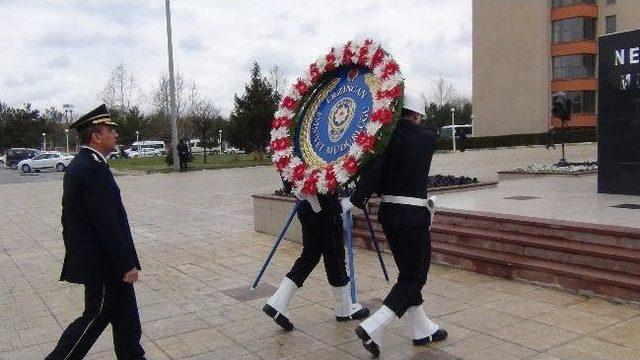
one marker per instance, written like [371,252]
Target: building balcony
[577,120]
[574,85]
[574,47]
[573,11]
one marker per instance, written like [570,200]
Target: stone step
[602,282]
[552,249]
[605,235]
[360,222]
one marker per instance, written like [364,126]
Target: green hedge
[484,142]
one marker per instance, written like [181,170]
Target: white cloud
[62,51]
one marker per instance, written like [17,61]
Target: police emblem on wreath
[338,114]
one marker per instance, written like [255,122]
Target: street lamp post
[44,141]
[220,139]
[172,89]
[137,135]
[453,127]
[66,134]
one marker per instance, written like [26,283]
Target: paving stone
[194,303]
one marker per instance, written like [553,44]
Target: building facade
[525,50]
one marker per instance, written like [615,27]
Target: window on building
[573,66]
[574,29]
[611,2]
[582,101]
[610,24]
[562,3]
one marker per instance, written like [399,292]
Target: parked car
[153,144]
[144,152]
[233,150]
[47,160]
[3,160]
[119,152]
[15,155]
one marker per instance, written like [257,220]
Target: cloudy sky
[62,51]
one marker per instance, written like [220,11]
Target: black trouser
[183,162]
[113,303]
[411,249]
[321,236]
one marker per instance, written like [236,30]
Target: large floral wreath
[387,102]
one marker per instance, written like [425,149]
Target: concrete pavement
[193,232]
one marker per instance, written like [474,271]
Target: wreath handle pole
[375,244]
[352,272]
[277,243]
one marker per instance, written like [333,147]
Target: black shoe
[368,342]
[278,317]
[439,335]
[360,314]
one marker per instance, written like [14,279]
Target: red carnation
[301,87]
[314,72]
[365,141]
[383,116]
[390,94]
[310,186]
[331,62]
[389,69]
[330,177]
[282,163]
[289,103]
[281,121]
[362,55]
[377,58]
[350,165]
[347,54]
[368,42]
[280,144]
[298,172]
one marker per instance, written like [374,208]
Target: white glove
[346,205]
[315,204]
[431,206]
[431,203]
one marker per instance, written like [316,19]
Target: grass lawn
[214,161]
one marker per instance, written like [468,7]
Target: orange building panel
[569,12]
[576,47]
[574,85]
[577,120]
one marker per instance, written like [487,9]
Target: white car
[144,152]
[3,160]
[47,160]
[233,150]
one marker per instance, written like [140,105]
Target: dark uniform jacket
[97,239]
[183,149]
[402,170]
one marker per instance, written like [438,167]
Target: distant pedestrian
[183,154]
[551,138]
[463,141]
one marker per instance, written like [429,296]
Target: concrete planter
[271,211]
[512,175]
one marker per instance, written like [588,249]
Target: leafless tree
[203,116]
[121,91]
[277,80]
[442,91]
[187,97]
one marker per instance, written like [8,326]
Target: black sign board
[619,113]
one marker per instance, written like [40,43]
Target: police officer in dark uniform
[99,250]
[322,236]
[400,175]
[183,154]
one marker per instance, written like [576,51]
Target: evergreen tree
[250,120]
